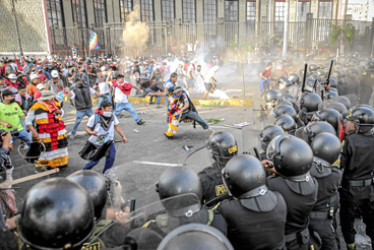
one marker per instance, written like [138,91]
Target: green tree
[343,34]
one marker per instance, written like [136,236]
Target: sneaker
[71,137]
[168,136]
[158,106]
[140,122]
[151,103]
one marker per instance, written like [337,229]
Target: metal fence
[165,37]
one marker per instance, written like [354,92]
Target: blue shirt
[169,85]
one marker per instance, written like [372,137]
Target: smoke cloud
[135,35]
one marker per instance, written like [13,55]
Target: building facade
[68,22]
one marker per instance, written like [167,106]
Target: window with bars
[146,10]
[210,11]
[167,7]
[188,7]
[280,11]
[231,11]
[126,7]
[79,12]
[55,13]
[325,10]
[303,8]
[100,12]
[251,10]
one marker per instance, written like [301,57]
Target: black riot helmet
[96,186]
[341,108]
[244,177]
[311,130]
[321,73]
[57,214]
[331,116]
[327,147]
[363,119]
[364,106]
[344,100]
[294,78]
[291,156]
[371,65]
[309,102]
[287,97]
[285,110]
[313,67]
[223,147]
[331,95]
[333,82]
[268,133]
[271,96]
[179,181]
[195,236]
[284,103]
[282,79]
[287,123]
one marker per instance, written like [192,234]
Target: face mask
[177,96]
[12,100]
[107,114]
[13,81]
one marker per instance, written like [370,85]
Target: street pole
[285,32]
[15,21]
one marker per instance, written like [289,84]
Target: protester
[10,115]
[81,95]
[101,127]
[47,115]
[265,76]
[122,91]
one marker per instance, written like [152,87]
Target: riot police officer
[309,104]
[97,187]
[326,150]
[290,159]
[367,83]
[57,214]
[357,183]
[308,132]
[180,192]
[287,123]
[256,217]
[266,135]
[223,147]
[331,116]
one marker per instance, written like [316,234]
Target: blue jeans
[195,116]
[148,90]
[107,97]
[80,115]
[23,135]
[109,161]
[128,107]
[263,86]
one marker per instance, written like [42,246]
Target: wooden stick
[29,178]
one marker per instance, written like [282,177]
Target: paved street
[148,152]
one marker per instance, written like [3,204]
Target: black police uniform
[300,198]
[366,86]
[165,223]
[251,228]
[357,185]
[212,184]
[322,217]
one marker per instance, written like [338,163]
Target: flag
[94,41]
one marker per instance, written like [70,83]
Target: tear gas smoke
[135,35]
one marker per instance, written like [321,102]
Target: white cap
[54,73]
[40,86]
[34,76]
